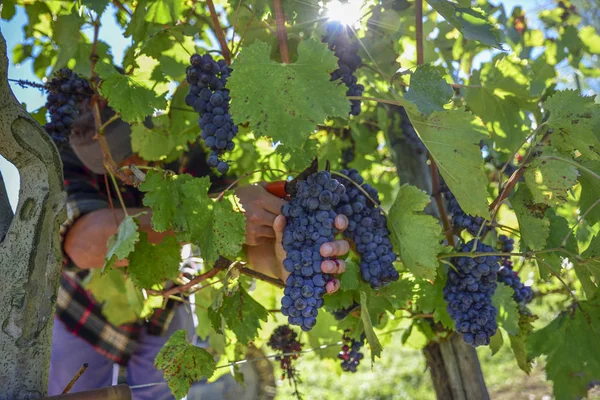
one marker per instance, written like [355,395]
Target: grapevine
[210,99]
[337,38]
[67,93]
[310,223]
[367,227]
[469,292]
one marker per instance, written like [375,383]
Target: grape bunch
[337,38]
[367,228]
[66,92]
[351,354]
[284,339]
[310,223]
[459,219]
[210,99]
[468,293]
[410,135]
[523,294]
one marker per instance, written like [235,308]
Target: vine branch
[219,31]
[282,37]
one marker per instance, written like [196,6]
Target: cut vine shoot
[210,99]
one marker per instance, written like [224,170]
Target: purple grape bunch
[468,293]
[523,294]
[367,228]
[351,354]
[310,223]
[67,91]
[337,37]
[210,99]
[459,219]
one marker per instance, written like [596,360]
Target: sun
[347,12]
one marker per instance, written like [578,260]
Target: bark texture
[454,366]
[30,257]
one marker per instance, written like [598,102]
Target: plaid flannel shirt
[76,307]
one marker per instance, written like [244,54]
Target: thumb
[278,226]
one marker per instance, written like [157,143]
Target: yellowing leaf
[121,301]
[183,363]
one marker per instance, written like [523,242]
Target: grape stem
[120,6]
[219,31]
[419,30]
[241,178]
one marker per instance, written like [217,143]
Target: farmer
[81,333]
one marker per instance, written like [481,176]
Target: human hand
[260,208]
[333,250]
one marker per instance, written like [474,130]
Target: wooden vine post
[30,255]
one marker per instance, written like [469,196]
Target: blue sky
[112,34]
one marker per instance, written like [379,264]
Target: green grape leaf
[160,141]
[590,192]
[471,22]
[181,203]
[8,10]
[98,6]
[559,228]
[452,137]
[418,248]
[165,196]
[570,344]
[286,101]
[398,294]
[164,12]
[431,300]
[518,342]
[549,180]
[349,279]
[496,342]
[500,111]
[121,243]
[365,316]
[533,224]
[127,94]
[575,119]
[137,26]
[182,363]
[66,30]
[243,315]
[151,264]
[121,301]
[428,90]
[228,233]
[508,313]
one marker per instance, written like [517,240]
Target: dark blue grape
[468,293]
[209,97]
[308,226]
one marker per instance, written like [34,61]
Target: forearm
[262,258]
[85,242]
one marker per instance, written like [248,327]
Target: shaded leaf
[508,313]
[151,264]
[243,315]
[418,247]
[533,224]
[376,347]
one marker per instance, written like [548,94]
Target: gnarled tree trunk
[453,364]
[30,258]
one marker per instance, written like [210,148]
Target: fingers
[336,248]
[333,266]
[332,286]
[341,222]
[278,226]
[272,203]
[261,217]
